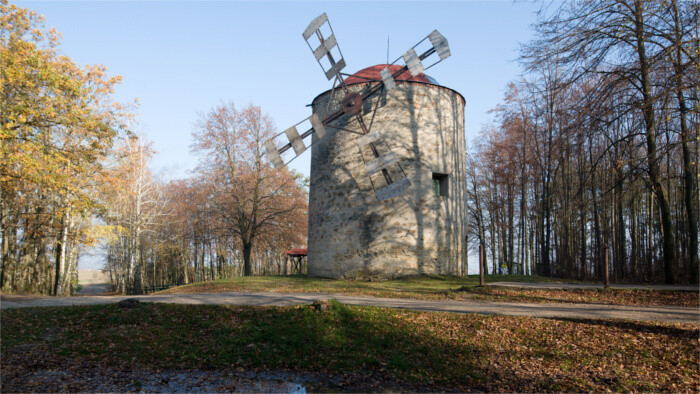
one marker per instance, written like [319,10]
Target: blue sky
[181,58]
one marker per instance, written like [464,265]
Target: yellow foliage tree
[57,124]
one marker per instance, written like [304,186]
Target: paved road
[551,310]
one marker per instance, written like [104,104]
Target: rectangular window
[440,184]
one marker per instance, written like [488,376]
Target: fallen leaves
[355,348]
[594,296]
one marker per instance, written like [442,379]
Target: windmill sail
[382,161]
[295,141]
[325,47]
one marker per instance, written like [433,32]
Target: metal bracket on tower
[295,140]
[413,63]
[392,190]
[368,139]
[318,126]
[440,44]
[387,78]
[273,155]
[314,25]
[379,163]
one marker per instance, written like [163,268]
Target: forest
[74,175]
[594,150]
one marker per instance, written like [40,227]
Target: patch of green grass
[460,352]
[162,336]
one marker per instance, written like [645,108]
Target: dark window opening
[440,184]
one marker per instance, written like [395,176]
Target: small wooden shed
[297,257]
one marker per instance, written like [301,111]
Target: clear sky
[181,58]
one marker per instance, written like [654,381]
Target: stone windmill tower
[388,171]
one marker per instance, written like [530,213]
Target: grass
[441,287]
[403,349]
[422,285]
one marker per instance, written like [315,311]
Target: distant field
[348,348]
[92,276]
[439,287]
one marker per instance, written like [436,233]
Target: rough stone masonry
[422,231]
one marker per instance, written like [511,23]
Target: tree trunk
[61,246]
[689,165]
[544,268]
[669,247]
[247,248]
[5,254]
[620,251]
[185,267]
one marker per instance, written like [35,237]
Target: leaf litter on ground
[345,348]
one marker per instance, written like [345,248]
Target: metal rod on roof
[387,49]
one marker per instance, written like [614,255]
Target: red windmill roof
[372,73]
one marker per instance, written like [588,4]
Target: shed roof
[296,252]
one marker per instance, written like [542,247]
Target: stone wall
[351,234]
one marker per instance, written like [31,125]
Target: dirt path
[549,310]
[94,288]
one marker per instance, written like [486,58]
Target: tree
[135,205]
[57,124]
[616,40]
[252,199]
[681,30]
[597,157]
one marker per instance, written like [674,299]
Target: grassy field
[439,287]
[355,348]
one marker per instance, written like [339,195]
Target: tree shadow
[665,329]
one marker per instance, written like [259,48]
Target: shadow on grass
[656,328]
[358,343]
[368,348]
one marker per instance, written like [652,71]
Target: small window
[440,184]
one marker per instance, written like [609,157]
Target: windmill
[382,161]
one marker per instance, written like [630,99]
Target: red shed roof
[296,252]
[372,73]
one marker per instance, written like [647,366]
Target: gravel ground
[52,374]
[170,381]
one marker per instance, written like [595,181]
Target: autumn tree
[252,199]
[135,206]
[57,124]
